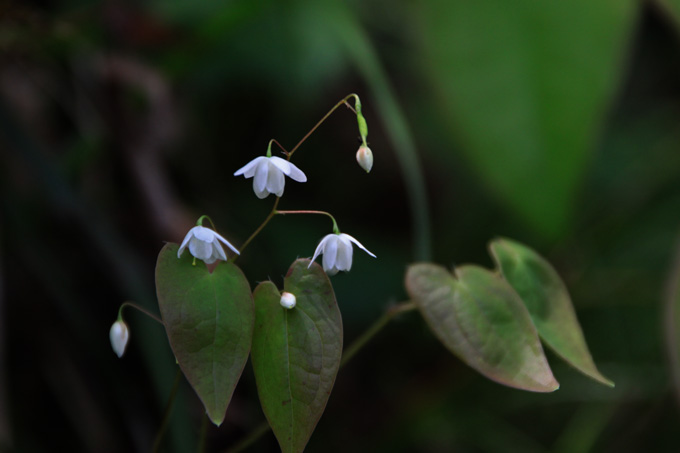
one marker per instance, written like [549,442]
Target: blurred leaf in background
[525,87]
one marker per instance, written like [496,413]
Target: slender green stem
[348,354]
[202,434]
[259,431]
[143,310]
[273,140]
[271,214]
[199,222]
[336,230]
[371,332]
[168,411]
[325,117]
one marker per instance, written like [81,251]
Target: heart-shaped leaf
[209,321]
[479,317]
[296,352]
[548,302]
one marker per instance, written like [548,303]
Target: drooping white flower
[204,245]
[365,158]
[288,300]
[119,336]
[268,173]
[337,252]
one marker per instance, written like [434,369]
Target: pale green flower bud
[119,336]
[288,300]
[365,158]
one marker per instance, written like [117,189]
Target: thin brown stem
[325,117]
[335,224]
[271,214]
[273,140]
[168,410]
[143,310]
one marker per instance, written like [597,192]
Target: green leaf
[480,318]
[548,302]
[296,353]
[524,87]
[209,321]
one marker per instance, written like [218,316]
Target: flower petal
[218,251]
[330,253]
[200,249]
[345,252]
[289,169]
[260,181]
[275,180]
[203,234]
[248,170]
[319,248]
[358,244]
[227,243]
[189,235]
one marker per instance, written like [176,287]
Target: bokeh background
[555,123]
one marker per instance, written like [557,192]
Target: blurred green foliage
[555,123]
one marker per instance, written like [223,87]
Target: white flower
[365,158]
[119,336]
[268,173]
[337,252]
[204,245]
[288,300]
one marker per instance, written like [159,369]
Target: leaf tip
[217,421]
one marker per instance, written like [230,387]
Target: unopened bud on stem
[365,158]
[119,336]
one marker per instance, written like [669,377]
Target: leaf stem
[377,326]
[167,412]
[143,310]
[348,354]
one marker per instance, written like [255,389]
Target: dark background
[555,124]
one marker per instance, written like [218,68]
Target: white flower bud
[365,158]
[288,300]
[119,336]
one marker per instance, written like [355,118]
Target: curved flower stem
[143,310]
[336,230]
[348,354]
[167,412]
[273,140]
[325,117]
[199,222]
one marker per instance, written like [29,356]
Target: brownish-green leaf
[296,353]
[548,302]
[209,321]
[480,318]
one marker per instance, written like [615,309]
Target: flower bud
[119,336]
[288,300]
[365,158]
